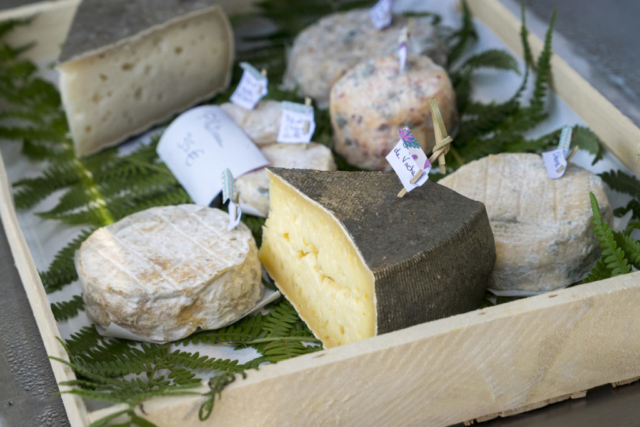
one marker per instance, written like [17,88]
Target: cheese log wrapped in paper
[373,101]
[322,53]
[542,227]
[260,124]
[129,64]
[357,261]
[254,186]
[166,271]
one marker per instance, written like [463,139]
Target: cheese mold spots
[357,261]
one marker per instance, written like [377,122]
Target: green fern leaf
[613,256]
[67,309]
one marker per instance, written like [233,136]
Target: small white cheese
[164,272]
[542,227]
[260,124]
[254,186]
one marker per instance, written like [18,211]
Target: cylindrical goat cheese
[254,186]
[260,124]
[322,53]
[164,272]
[374,100]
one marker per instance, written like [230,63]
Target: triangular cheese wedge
[129,64]
[357,261]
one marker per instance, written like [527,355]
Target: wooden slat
[617,131]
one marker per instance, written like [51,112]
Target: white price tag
[230,193]
[251,89]
[555,162]
[235,215]
[381,15]
[297,123]
[203,142]
[407,158]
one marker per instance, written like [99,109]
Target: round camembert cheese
[326,50]
[164,272]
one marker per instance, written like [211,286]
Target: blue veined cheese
[542,227]
[254,186]
[164,272]
[372,101]
[325,51]
[260,124]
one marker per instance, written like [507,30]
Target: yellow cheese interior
[315,263]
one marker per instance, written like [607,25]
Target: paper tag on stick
[203,142]
[407,159]
[381,15]
[555,162]
[251,89]
[297,123]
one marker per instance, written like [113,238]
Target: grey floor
[598,38]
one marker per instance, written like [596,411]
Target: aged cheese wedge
[326,50]
[542,227]
[254,186]
[357,261]
[260,124]
[164,272]
[129,64]
[372,101]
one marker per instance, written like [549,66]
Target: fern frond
[460,38]
[584,138]
[524,38]
[492,58]
[67,309]
[62,270]
[613,256]
[622,182]
[247,329]
[598,272]
[630,247]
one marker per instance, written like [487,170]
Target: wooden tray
[492,362]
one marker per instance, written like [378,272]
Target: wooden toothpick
[264,72]
[415,179]
[573,153]
[307,102]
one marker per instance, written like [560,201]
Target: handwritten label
[251,89]
[297,123]
[381,15]
[555,162]
[200,144]
[403,48]
[407,158]
[565,139]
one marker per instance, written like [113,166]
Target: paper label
[235,215]
[407,158]
[403,48]
[251,89]
[555,162]
[381,15]
[297,123]
[565,139]
[200,144]
[229,191]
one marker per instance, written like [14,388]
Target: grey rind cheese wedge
[357,261]
[372,101]
[164,272]
[322,53]
[129,64]
[254,186]
[542,227]
[260,124]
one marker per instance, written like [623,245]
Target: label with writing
[555,162]
[203,142]
[381,15]
[407,158]
[565,139]
[403,48]
[297,123]
[251,89]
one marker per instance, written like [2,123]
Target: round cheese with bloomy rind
[373,101]
[260,124]
[164,272]
[322,53]
[254,186]
[542,227]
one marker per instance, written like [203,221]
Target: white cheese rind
[260,124]
[254,186]
[542,227]
[372,101]
[325,51]
[164,272]
[143,80]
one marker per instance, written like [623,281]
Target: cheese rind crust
[323,52]
[542,227]
[373,101]
[121,90]
[356,261]
[254,186]
[164,272]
